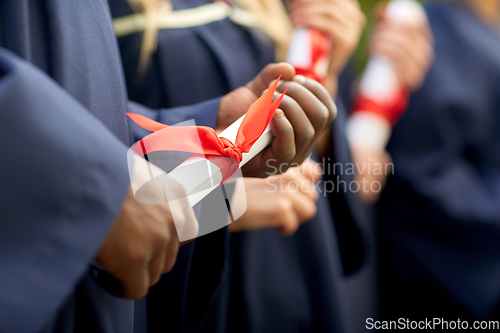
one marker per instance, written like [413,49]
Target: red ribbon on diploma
[221,151]
[390,110]
[320,49]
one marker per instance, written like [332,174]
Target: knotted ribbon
[221,151]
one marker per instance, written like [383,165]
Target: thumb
[270,73]
[311,170]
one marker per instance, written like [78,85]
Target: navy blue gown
[270,283]
[440,212]
[64,137]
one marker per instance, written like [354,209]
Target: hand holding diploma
[304,113]
[282,201]
[143,243]
[405,39]
[402,51]
[342,21]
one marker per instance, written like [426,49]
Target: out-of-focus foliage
[368,7]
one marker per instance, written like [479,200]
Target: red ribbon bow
[221,151]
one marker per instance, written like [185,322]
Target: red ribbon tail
[146,123]
[226,155]
[257,118]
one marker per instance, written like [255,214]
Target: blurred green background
[368,7]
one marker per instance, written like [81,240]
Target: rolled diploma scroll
[381,79]
[198,176]
[300,53]
[380,82]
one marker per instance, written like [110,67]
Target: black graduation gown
[66,154]
[275,283]
[440,212]
[65,138]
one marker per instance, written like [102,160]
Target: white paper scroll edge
[196,179]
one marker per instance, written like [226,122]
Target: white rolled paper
[199,176]
[380,82]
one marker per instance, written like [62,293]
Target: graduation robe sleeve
[63,178]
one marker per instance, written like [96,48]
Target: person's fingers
[410,38]
[308,189]
[393,53]
[337,31]
[339,5]
[289,221]
[396,33]
[156,267]
[425,50]
[311,8]
[421,53]
[294,181]
[283,144]
[171,252]
[308,174]
[416,74]
[322,94]
[330,25]
[425,29]
[268,206]
[325,13]
[135,283]
[311,170]
[422,49]
[356,3]
[258,220]
[408,48]
[270,73]
[418,47]
[157,263]
[393,46]
[302,128]
[298,3]
[282,149]
[315,111]
[304,207]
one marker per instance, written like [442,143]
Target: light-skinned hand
[283,201]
